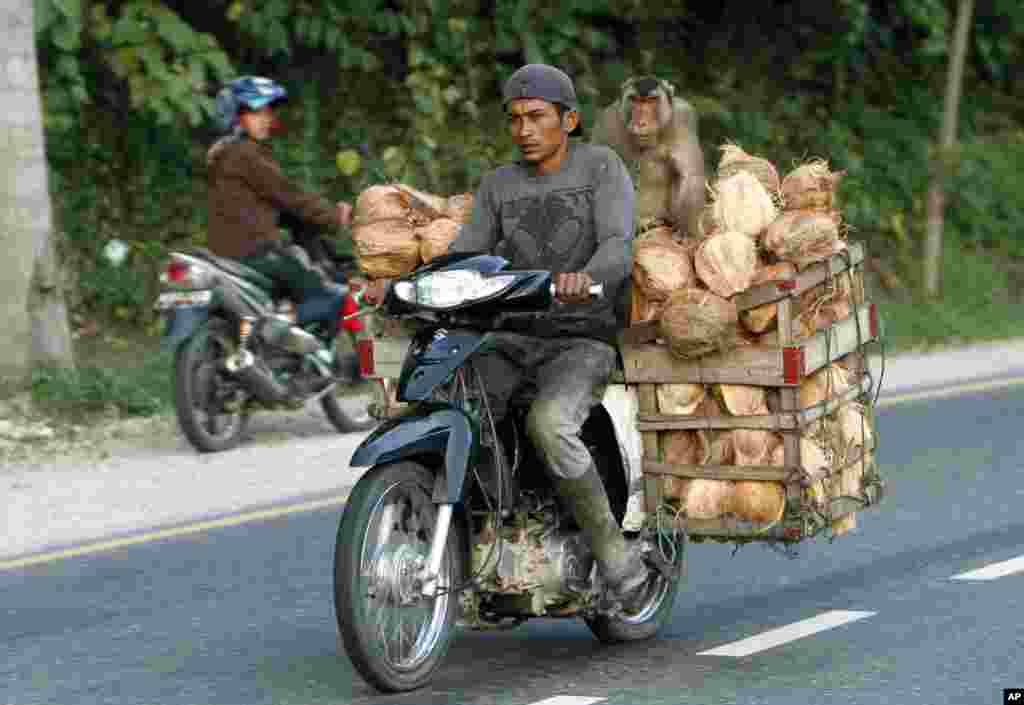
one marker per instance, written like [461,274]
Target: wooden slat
[639,333]
[764,473]
[732,528]
[647,400]
[752,364]
[837,341]
[765,422]
[808,279]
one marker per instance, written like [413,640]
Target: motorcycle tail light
[348,307]
[182,273]
[367,366]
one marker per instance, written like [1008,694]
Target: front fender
[433,429]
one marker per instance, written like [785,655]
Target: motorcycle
[456,522]
[241,347]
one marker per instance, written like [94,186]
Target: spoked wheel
[395,637]
[203,391]
[654,610]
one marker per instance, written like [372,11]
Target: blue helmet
[252,92]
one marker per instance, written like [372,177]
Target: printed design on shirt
[548,226]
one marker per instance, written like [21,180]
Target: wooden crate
[784,367]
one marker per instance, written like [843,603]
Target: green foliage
[413,89]
[142,390]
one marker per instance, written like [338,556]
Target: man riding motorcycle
[567,206]
[250,198]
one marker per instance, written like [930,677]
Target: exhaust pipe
[256,377]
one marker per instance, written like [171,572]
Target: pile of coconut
[396,227]
[755,229]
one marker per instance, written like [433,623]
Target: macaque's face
[644,118]
[538,131]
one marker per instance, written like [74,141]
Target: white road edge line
[568,700]
[994,570]
[791,632]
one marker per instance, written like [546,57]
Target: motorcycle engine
[538,562]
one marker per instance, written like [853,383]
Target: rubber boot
[623,569]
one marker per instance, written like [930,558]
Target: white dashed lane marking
[994,570]
[791,632]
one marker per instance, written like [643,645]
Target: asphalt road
[243,615]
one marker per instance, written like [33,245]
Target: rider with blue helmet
[250,198]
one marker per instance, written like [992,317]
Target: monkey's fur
[665,159]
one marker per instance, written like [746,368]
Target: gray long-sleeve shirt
[578,219]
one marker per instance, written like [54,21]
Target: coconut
[752,447]
[674,488]
[685,447]
[827,383]
[742,399]
[459,208]
[642,308]
[385,241]
[709,499]
[810,185]
[680,398]
[381,203]
[723,450]
[804,236]
[760,319]
[726,263]
[425,204]
[759,502]
[814,460]
[696,322]
[742,204]
[734,160]
[436,236]
[854,427]
[663,234]
[772,272]
[661,267]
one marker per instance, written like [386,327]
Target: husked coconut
[814,460]
[742,399]
[771,272]
[727,262]
[810,185]
[435,237]
[383,233]
[734,160]
[685,447]
[854,426]
[428,205]
[680,398]
[723,450]
[742,204]
[642,308]
[459,208]
[759,502]
[827,383]
[660,267]
[696,322]
[751,446]
[709,499]
[804,237]
[760,318]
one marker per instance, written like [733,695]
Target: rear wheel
[395,637]
[203,391]
[654,610]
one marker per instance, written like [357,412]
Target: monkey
[655,134]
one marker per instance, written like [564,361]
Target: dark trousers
[564,378]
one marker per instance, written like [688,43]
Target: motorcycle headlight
[452,289]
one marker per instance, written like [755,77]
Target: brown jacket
[246,191]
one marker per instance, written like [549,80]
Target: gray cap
[540,81]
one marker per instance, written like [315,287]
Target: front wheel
[203,392]
[654,611]
[395,637]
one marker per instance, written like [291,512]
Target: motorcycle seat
[232,267]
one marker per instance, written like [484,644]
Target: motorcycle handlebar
[596,290]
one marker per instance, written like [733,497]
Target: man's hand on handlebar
[573,287]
